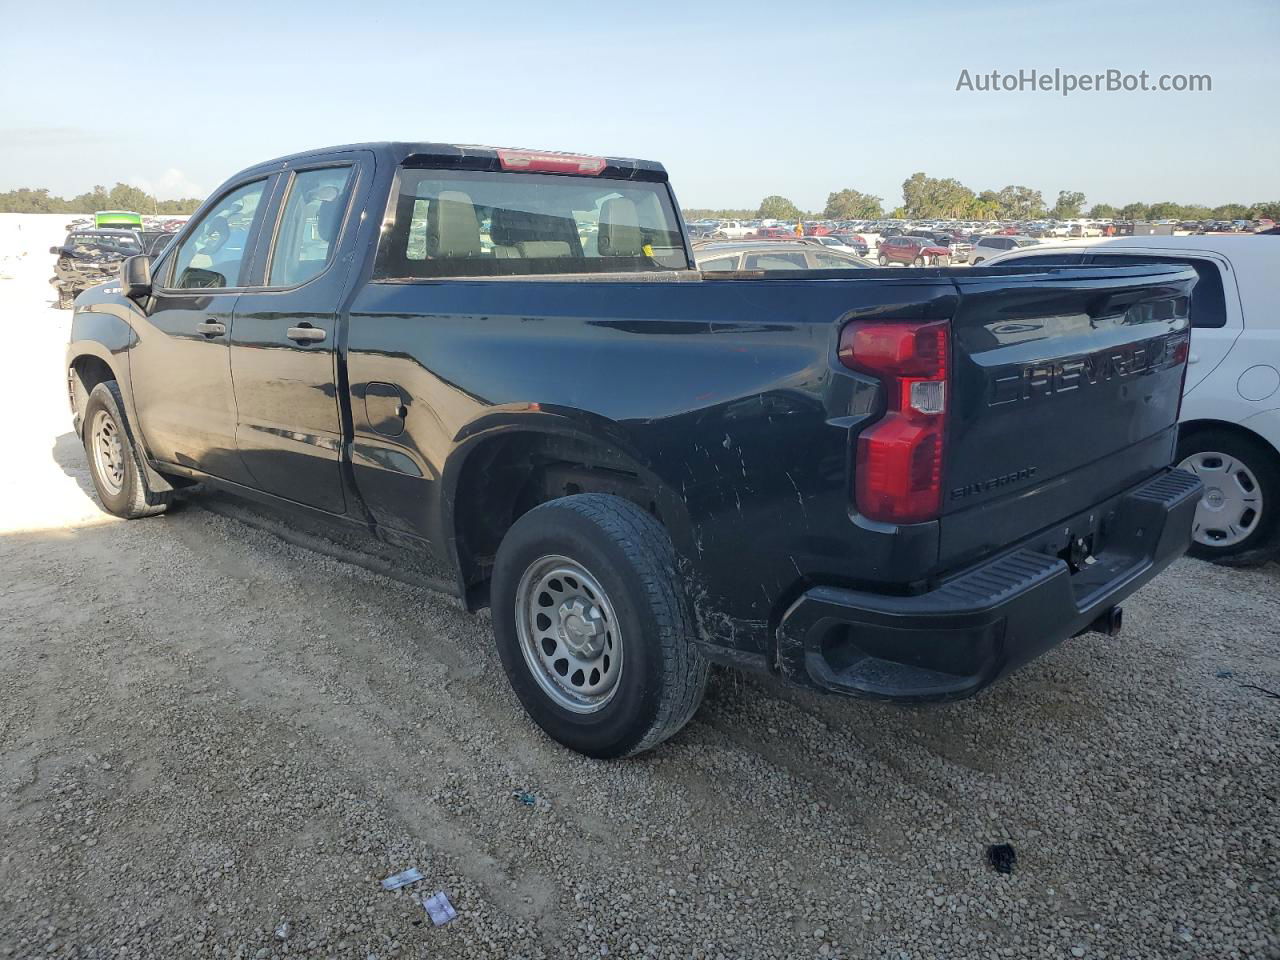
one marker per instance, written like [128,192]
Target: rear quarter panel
[725,391]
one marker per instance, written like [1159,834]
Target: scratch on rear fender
[714,626]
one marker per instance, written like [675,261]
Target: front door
[181,372]
[285,343]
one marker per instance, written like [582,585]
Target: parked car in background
[731,230]
[958,250]
[916,251]
[775,232]
[988,247]
[850,243]
[89,257]
[701,229]
[1229,434]
[154,241]
[797,254]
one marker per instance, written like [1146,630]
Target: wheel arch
[1210,425]
[505,464]
[90,363]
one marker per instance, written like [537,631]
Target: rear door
[289,429]
[179,366]
[1065,390]
[1216,319]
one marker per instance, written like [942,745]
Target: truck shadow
[68,454]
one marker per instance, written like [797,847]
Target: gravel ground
[215,743]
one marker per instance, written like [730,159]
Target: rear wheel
[882,260]
[114,462]
[1238,518]
[593,625]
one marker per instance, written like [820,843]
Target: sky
[739,100]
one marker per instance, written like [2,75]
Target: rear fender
[567,424]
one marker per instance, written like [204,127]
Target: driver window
[213,253]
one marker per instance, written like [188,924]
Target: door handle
[305,333]
[211,328]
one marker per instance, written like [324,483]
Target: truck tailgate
[1065,390]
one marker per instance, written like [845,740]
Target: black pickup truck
[887,484]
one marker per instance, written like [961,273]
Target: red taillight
[898,463]
[528,161]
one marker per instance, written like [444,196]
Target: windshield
[473,224]
[84,242]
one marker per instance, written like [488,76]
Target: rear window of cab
[449,223]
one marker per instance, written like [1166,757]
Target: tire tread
[646,544]
[142,501]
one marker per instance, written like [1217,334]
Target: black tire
[1263,541]
[627,551]
[918,262]
[127,496]
[882,260]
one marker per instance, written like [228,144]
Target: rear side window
[722,263]
[1208,301]
[829,261]
[775,261]
[479,224]
[1049,260]
[309,227]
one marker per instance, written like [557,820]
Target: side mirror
[135,277]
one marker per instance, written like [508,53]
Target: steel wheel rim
[108,452]
[569,634]
[1231,506]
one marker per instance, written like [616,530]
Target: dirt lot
[207,732]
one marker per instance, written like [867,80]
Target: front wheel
[1238,518]
[114,463]
[593,625]
[882,260]
[918,262]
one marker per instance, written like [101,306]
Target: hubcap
[108,452]
[1232,503]
[568,634]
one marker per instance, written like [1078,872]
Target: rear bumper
[952,641]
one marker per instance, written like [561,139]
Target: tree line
[935,198]
[120,197]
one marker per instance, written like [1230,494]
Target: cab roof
[461,156]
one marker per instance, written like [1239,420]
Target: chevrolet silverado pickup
[888,484]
